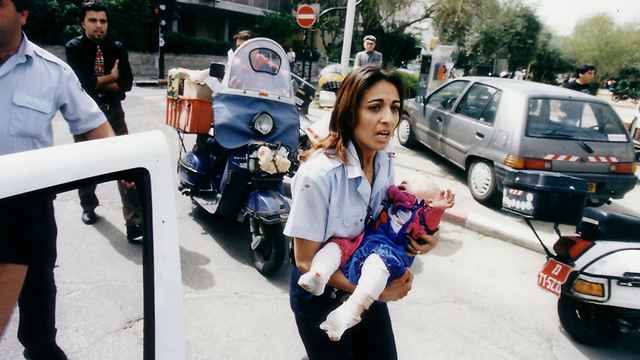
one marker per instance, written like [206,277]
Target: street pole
[161,24]
[348,36]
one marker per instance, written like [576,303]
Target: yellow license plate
[591,187]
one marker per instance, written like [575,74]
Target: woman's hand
[413,248]
[398,289]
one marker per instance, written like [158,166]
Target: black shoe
[89,217]
[50,353]
[134,232]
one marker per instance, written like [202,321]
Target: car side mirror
[216,70]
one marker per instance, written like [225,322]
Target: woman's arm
[305,250]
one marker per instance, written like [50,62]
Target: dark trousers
[131,208]
[32,223]
[372,338]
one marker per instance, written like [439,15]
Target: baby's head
[421,186]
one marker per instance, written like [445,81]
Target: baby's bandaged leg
[371,284]
[325,263]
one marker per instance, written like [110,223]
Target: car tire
[482,183]
[406,136]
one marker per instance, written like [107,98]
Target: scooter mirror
[216,70]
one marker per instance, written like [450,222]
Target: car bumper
[607,186]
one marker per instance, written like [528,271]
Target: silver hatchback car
[492,126]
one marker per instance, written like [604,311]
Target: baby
[377,256]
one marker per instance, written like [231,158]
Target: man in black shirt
[584,74]
[570,111]
[102,65]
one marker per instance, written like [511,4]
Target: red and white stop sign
[306,16]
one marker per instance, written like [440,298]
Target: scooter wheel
[589,324]
[269,255]
[615,97]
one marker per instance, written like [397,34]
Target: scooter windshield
[259,69]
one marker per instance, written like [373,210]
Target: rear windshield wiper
[554,133]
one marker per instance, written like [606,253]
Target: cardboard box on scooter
[194,90]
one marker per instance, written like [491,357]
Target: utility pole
[348,36]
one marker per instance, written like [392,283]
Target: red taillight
[575,244]
[517,162]
[623,168]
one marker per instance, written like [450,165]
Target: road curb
[492,228]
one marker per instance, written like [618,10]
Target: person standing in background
[291,56]
[369,55]
[102,65]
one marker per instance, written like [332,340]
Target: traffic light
[159,13]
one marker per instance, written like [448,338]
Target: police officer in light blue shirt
[334,182]
[34,85]
[336,192]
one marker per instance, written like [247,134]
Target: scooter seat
[599,224]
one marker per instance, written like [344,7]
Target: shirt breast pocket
[30,116]
[349,222]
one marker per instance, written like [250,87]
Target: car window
[480,103]
[445,97]
[573,119]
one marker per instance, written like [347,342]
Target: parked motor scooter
[596,272]
[237,169]
[628,94]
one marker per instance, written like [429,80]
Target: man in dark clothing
[570,111]
[584,74]
[102,65]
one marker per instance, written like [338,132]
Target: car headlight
[262,124]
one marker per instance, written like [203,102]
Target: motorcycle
[629,94]
[237,168]
[596,272]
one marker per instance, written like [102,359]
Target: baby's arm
[444,200]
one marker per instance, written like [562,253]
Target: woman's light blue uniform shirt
[330,199]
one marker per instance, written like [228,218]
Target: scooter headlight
[262,124]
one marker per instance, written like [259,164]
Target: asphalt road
[474,297]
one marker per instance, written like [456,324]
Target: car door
[437,110]
[471,123]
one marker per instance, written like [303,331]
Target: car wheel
[482,183]
[406,136]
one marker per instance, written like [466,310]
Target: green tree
[548,61]
[488,29]
[278,26]
[54,22]
[130,22]
[599,41]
